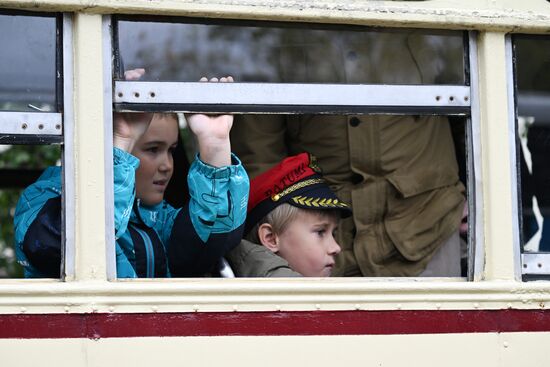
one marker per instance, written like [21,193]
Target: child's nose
[167,163]
[334,247]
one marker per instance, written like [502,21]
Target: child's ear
[268,238]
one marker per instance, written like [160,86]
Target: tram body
[492,317]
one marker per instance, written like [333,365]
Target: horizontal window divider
[291,98]
[283,109]
[16,139]
[30,123]
[535,263]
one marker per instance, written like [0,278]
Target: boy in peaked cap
[292,216]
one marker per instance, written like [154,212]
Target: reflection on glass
[292,54]
[27,63]
[532,54]
[20,165]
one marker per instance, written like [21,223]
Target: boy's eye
[152,149]
[321,232]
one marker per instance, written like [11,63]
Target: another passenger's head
[156,163]
[294,213]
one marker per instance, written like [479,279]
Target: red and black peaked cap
[297,181]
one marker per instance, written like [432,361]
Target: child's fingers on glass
[224,79]
[134,74]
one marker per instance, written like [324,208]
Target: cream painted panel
[495,151]
[488,350]
[200,295]
[44,352]
[525,349]
[90,261]
[479,14]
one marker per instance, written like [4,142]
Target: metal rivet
[509,305]
[195,308]
[438,305]
[466,98]
[120,94]
[152,94]
[505,344]
[525,266]
[154,308]
[278,307]
[451,98]
[111,309]
[24,125]
[539,265]
[40,126]
[67,309]
[23,310]
[357,306]
[318,306]
[57,126]
[476,305]
[437,98]
[399,306]
[235,308]
[136,94]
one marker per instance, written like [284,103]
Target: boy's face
[308,244]
[154,151]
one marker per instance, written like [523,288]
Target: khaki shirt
[399,173]
[251,260]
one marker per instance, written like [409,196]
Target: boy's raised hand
[212,133]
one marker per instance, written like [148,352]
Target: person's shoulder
[48,181]
[253,260]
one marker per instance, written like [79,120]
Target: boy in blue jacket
[153,239]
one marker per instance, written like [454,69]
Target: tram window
[337,92]
[291,54]
[532,66]
[30,120]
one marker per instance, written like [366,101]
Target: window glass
[27,63]
[393,170]
[404,173]
[532,57]
[30,71]
[20,166]
[404,177]
[282,53]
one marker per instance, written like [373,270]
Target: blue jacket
[158,241]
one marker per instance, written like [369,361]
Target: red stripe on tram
[113,325]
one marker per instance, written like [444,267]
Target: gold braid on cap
[299,185]
[318,202]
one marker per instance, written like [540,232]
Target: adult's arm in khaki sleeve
[259,141]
